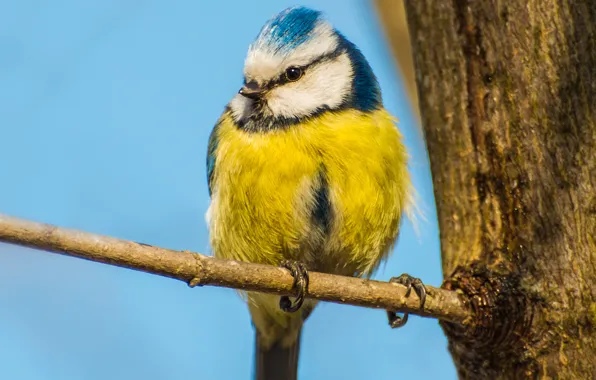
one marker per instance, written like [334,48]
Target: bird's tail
[277,362]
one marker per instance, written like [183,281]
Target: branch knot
[199,271]
[501,312]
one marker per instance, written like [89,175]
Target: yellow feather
[263,193]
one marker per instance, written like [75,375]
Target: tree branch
[196,269]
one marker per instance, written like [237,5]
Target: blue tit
[306,169]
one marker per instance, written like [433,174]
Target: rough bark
[508,104]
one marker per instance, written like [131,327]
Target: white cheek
[240,107]
[327,84]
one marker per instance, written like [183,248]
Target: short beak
[252,90]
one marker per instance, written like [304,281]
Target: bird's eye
[294,73]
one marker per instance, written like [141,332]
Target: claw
[300,274]
[395,321]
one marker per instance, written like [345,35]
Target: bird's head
[298,67]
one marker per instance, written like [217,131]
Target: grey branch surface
[196,269]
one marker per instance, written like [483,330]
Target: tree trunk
[508,104]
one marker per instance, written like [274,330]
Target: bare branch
[196,269]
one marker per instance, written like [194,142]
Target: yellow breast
[263,196]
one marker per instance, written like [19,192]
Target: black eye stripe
[327,57]
[282,79]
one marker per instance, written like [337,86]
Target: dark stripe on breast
[322,211]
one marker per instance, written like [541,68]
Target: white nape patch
[324,84]
[264,63]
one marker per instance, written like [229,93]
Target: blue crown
[294,26]
[289,29]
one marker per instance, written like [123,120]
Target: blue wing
[211,148]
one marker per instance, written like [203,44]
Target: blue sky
[105,111]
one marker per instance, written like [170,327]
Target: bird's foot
[395,321]
[300,274]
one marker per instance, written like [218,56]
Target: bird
[306,170]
